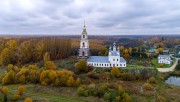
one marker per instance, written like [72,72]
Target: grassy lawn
[157,65]
[45,94]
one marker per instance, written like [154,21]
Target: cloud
[102,16]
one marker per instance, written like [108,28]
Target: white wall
[106,64]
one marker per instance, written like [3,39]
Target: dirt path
[170,68]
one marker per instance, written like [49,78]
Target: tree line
[29,50]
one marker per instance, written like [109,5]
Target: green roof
[151,50]
[166,51]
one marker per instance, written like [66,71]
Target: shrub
[127,76]
[161,65]
[107,96]
[93,75]
[16,97]
[81,91]
[102,89]
[9,78]
[89,68]
[81,66]
[144,74]
[118,99]
[77,82]
[70,81]
[20,90]
[152,80]
[91,89]
[115,72]
[10,67]
[120,89]
[50,65]
[126,97]
[28,100]
[5,90]
[148,86]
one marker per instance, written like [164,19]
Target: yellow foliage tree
[122,48]
[78,82]
[115,72]
[5,90]
[28,100]
[70,81]
[50,65]
[20,90]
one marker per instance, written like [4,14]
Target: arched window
[83,44]
[113,59]
[117,59]
[83,53]
[83,36]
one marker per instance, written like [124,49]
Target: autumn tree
[115,72]
[46,57]
[9,78]
[20,90]
[28,100]
[122,48]
[78,82]
[81,66]
[50,65]
[5,92]
[70,81]
[130,50]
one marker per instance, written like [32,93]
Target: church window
[113,59]
[83,44]
[117,59]
[113,65]
[83,53]
[117,64]
[124,64]
[83,36]
[110,65]
[102,64]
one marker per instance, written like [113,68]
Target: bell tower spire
[84,44]
[84,25]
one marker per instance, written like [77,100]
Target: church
[113,59]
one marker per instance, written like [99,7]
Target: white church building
[113,59]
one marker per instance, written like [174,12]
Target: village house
[164,59]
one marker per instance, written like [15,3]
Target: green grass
[45,94]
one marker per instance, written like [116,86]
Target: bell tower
[84,45]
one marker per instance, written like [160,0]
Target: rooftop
[164,56]
[102,59]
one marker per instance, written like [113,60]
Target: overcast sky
[101,16]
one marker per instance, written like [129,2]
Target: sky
[117,17]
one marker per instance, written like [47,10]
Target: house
[164,59]
[113,59]
[151,52]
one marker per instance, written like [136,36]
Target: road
[170,68]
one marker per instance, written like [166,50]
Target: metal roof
[165,50]
[102,59]
[165,56]
[122,60]
[114,53]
